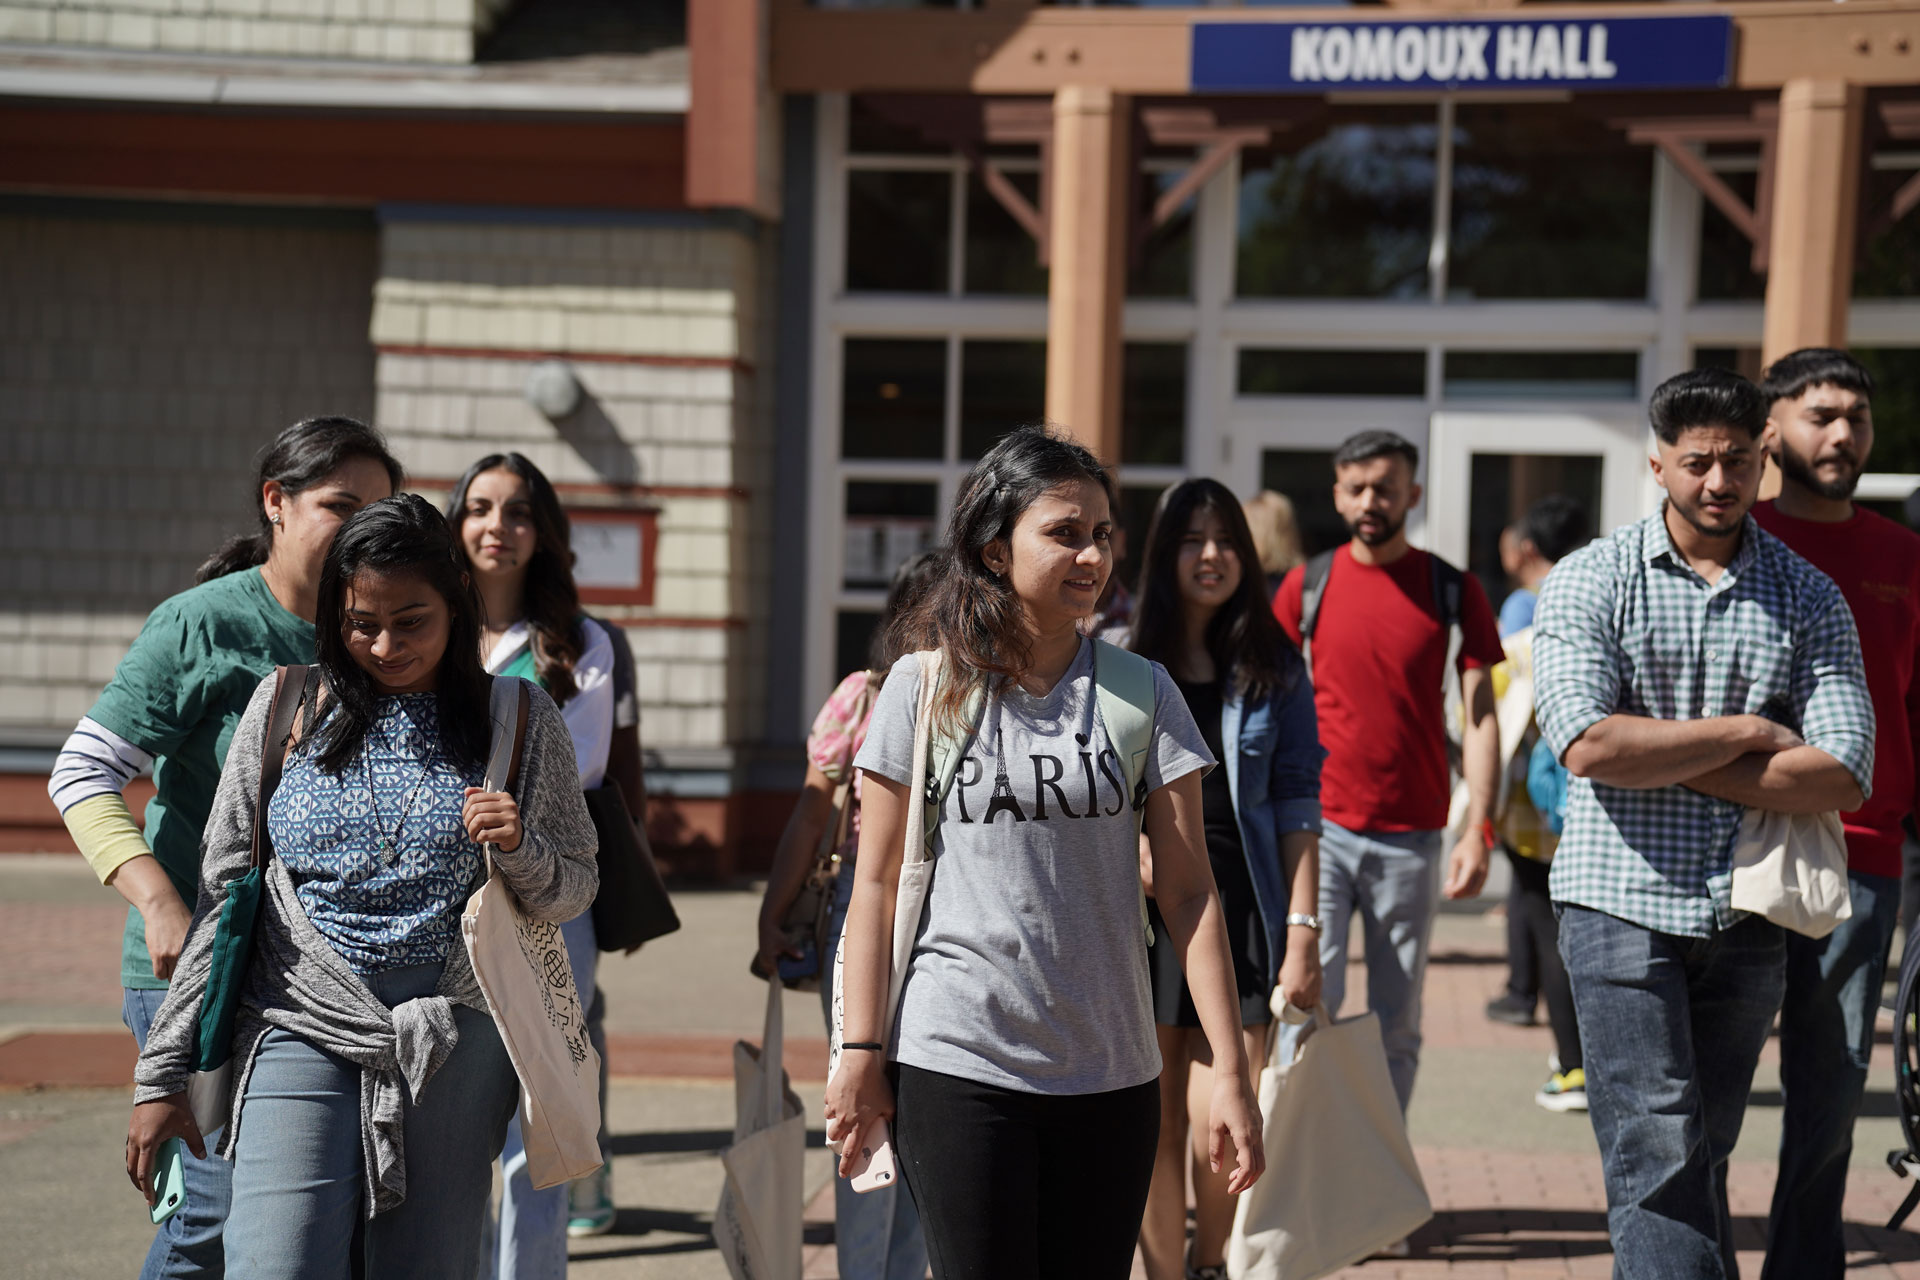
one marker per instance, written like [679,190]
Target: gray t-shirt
[1029,970]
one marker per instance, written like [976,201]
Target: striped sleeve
[96,761]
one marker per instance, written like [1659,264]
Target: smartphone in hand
[874,1167]
[169,1181]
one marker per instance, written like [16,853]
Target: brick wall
[144,358]
[660,326]
[388,30]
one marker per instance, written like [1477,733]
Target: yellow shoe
[1566,1091]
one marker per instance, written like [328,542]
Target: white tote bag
[757,1224]
[1792,869]
[1331,1113]
[916,872]
[523,970]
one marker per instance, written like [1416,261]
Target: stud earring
[274,520]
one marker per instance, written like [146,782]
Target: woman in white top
[1020,1068]
[517,544]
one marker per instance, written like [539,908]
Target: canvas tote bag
[757,1224]
[1335,1104]
[1792,869]
[524,972]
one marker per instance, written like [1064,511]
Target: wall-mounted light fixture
[553,388]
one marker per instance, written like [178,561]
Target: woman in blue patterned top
[370,1080]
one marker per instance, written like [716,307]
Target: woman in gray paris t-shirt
[1019,1069]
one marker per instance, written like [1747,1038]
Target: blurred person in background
[513,538]
[1559,523]
[1820,432]
[1377,649]
[876,1234]
[1276,536]
[173,704]
[1205,615]
[1532,804]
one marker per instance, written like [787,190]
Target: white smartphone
[874,1167]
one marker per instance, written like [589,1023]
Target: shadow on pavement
[1515,1235]
[703,1142]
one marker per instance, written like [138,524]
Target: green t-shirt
[177,695]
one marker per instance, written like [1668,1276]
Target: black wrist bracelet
[864,1044]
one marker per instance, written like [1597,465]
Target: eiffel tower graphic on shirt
[1002,785]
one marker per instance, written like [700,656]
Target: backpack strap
[1448,583]
[946,748]
[1124,696]
[291,687]
[1313,589]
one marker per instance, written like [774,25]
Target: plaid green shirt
[1626,626]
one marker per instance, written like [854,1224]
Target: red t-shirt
[1379,657]
[1876,565]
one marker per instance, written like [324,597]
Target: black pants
[1523,958]
[1020,1186]
[1533,908]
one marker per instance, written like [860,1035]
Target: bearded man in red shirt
[1820,431]
[1377,620]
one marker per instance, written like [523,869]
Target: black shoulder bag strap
[1313,589]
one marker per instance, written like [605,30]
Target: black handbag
[632,906]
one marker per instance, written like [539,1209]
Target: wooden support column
[1092,172]
[1816,199]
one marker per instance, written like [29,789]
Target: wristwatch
[1301,917]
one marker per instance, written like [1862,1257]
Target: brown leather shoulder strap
[290,689]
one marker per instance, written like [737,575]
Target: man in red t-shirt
[1378,651]
[1819,431]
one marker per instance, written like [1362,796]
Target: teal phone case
[169,1183]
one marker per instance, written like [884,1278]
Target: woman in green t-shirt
[173,704]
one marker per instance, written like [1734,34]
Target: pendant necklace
[385,842]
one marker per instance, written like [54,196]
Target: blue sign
[1457,53]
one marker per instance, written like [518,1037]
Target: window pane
[1547,203]
[898,231]
[1744,361]
[1153,405]
[872,127]
[1896,407]
[1542,375]
[1305,476]
[1300,372]
[1726,255]
[893,398]
[1346,214]
[887,523]
[1164,266]
[1003,385]
[1001,256]
[852,635]
[1889,264]
[1137,502]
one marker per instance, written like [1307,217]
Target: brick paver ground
[1516,1192]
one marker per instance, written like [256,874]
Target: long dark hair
[911,582]
[299,458]
[402,534]
[1248,648]
[971,614]
[551,599]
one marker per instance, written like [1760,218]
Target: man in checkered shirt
[1686,668]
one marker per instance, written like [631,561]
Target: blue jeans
[1391,880]
[876,1234]
[298,1175]
[530,1241]
[1826,1042]
[1672,1028]
[188,1243]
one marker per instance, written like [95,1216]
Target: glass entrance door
[1488,468]
[1286,444]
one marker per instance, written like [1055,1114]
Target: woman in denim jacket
[1203,614]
